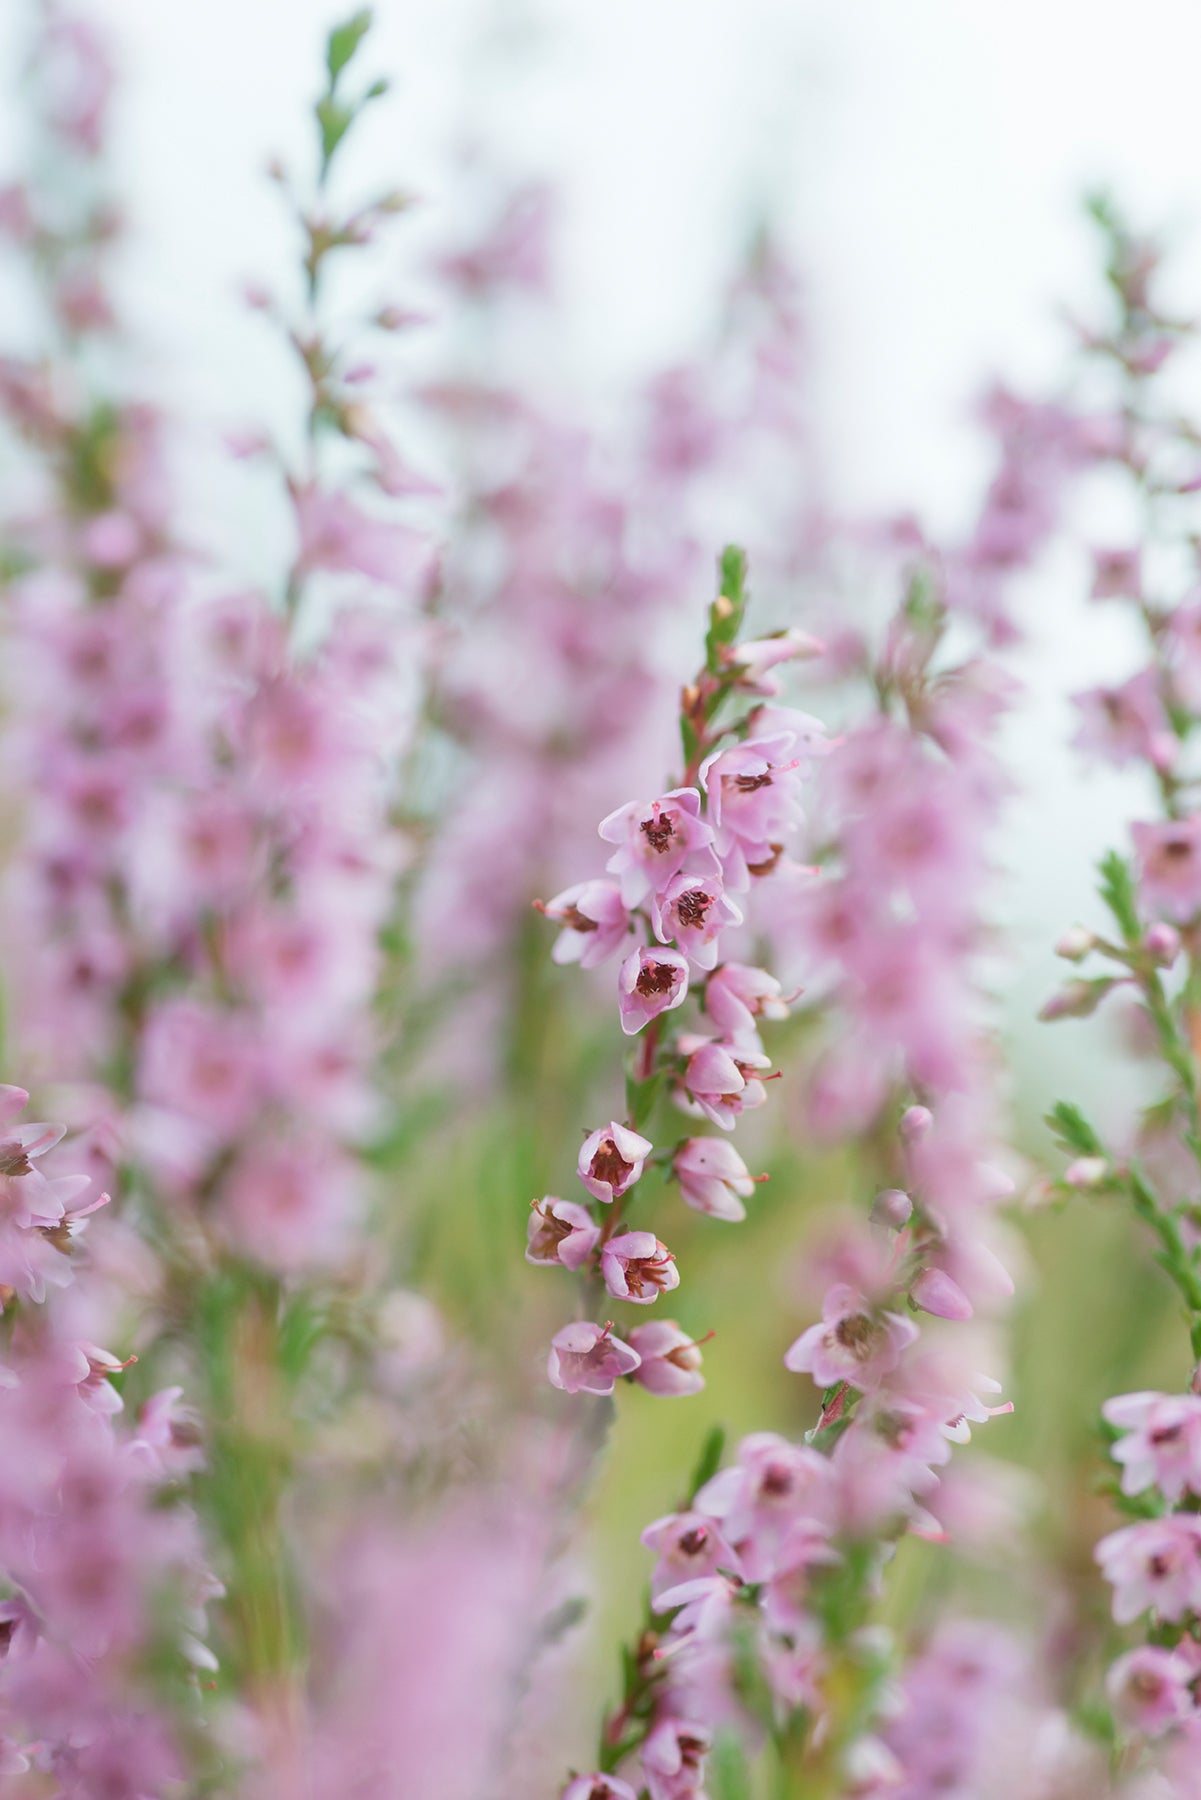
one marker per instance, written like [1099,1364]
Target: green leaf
[343,41]
[1073,1130]
[708,1462]
[1120,895]
[334,121]
[728,610]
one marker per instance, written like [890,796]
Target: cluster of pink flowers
[101,1560]
[681,870]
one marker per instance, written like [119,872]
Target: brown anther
[693,1542]
[609,1165]
[550,1233]
[578,921]
[658,832]
[655,978]
[750,784]
[769,862]
[14,1160]
[692,906]
[859,1334]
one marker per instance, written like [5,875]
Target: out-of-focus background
[925,166]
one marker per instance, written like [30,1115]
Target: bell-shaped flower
[855,1342]
[587,1359]
[671,1359]
[713,1177]
[655,841]
[595,923]
[637,1267]
[692,912]
[651,982]
[560,1232]
[611,1160]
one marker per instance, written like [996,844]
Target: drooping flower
[587,1358]
[713,1177]
[671,1359]
[561,1232]
[638,1267]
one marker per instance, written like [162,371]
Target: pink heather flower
[598,1787]
[560,1232]
[656,842]
[1149,1689]
[688,1545]
[1162,944]
[1154,1564]
[1127,724]
[1163,1445]
[1169,857]
[587,1358]
[752,789]
[693,911]
[758,1501]
[1117,575]
[855,1342]
[756,660]
[651,982]
[671,1359]
[611,1160]
[713,1177]
[637,1267]
[721,1081]
[738,994]
[673,1760]
[595,922]
[336,534]
[933,1291]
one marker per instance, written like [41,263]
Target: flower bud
[1076,999]
[1162,944]
[892,1207]
[915,1123]
[1075,944]
[1086,1172]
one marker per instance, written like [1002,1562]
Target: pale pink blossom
[722,1080]
[1154,1564]
[855,1342]
[1169,855]
[587,1358]
[560,1232]
[638,1267]
[688,1545]
[713,1177]
[673,1759]
[611,1160]
[595,920]
[1162,1446]
[598,1787]
[738,994]
[692,911]
[1150,1689]
[656,841]
[671,1359]
[651,982]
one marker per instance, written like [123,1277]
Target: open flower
[655,841]
[1155,1564]
[651,982]
[1163,1445]
[611,1160]
[560,1231]
[855,1342]
[588,1359]
[671,1359]
[637,1267]
[693,911]
[713,1177]
[595,923]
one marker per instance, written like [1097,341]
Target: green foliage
[729,609]
[344,41]
[1073,1131]
[708,1462]
[1119,894]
